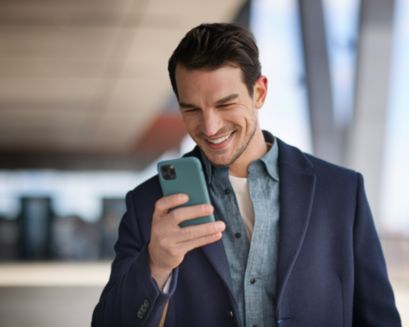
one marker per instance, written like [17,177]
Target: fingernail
[220,226]
[208,208]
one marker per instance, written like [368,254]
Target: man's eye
[226,105]
[190,110]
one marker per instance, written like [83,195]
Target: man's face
[218,112]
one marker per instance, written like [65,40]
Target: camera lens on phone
[168,172]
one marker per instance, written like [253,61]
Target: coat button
[230,314]
[227,191]
[280,321]
[252,281]
[143,309]
[237,235]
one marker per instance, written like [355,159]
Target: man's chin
[219,160]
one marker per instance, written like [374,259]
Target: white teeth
[219,140]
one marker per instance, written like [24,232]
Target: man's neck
[255,150]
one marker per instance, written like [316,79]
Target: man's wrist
[160,275]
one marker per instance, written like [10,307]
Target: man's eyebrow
[218,102]
[226,99]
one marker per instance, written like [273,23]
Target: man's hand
[169,242]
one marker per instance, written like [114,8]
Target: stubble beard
[239,151]
[243,147]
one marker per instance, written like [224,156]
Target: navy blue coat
[331,271]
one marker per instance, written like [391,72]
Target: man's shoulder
[321,165]
[148,191]
[152,183]
[294,156]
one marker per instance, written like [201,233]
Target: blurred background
[86,111]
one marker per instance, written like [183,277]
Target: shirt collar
[269,160]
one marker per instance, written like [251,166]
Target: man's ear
[260,91]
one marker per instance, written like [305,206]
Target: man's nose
[212,122]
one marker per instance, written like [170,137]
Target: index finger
[164,204]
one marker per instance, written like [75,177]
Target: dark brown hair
[211,46]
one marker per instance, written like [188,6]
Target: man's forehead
[206,69]
[223,77]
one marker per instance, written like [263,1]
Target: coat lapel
[217,258]
[215,252]
[297,187]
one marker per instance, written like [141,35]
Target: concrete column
[326,139]
[365,148]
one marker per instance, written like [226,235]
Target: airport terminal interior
[87,111]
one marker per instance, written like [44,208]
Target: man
[293,243]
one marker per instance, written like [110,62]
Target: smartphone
[185,175]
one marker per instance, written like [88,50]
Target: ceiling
[85,79]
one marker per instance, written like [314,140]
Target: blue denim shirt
[252,262]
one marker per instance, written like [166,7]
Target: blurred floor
[50,294]
[402,300]
[401,288]
[69,302]
[47,306]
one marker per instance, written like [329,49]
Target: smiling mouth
[220,140]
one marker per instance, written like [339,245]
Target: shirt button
[237,235]
[230,314]
[252,281]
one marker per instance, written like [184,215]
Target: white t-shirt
[241,190]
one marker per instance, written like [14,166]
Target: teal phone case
[188,179]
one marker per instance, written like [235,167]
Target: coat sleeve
[374,303]
[131,297]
